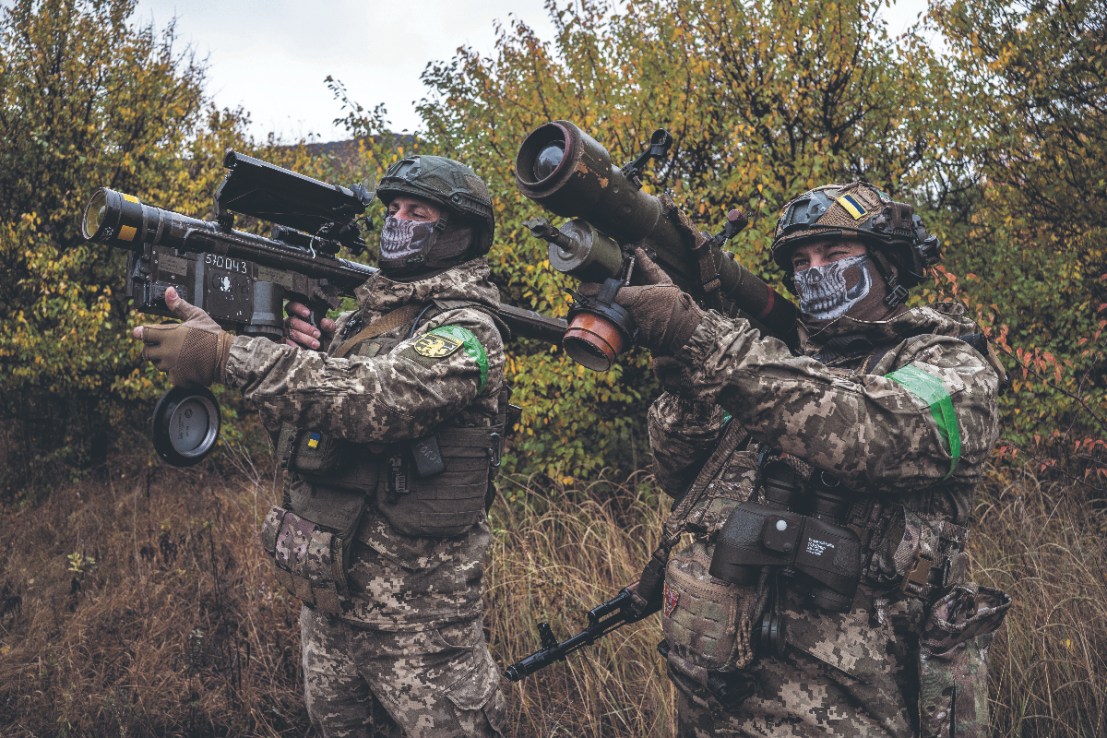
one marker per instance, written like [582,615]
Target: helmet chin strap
[897,293]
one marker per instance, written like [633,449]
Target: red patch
[671,600]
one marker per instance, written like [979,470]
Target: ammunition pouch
[920,555]
[421,496]
[706,621]
[323,460]
[314,453]
[953,661]
[438,486]
[311,559]
[311,535]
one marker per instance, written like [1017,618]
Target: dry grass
[554,564]
[1047,547]
[141,607]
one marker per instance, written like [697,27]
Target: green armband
[929,387]
[470,344]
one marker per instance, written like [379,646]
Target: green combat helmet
[858,210]
[452,186]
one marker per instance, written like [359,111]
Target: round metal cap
[185,425]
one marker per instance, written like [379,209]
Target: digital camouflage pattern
[433,683]
[954,655]
[850,681]
[402,395]
[853,673]
[409,597]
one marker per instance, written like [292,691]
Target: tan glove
[193,352]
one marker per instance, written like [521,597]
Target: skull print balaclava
[414,249]
[828,292]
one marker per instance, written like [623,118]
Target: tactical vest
[710,623]
[439,486]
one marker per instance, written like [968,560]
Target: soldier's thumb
[650,272]
[181,307]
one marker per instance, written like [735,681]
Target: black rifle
[242,279]
[602,619]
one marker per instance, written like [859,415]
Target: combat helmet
[858,210]
[449,184]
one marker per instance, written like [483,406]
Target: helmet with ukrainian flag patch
[858,210]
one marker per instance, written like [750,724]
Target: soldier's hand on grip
[193,352]
[300,333]
[647,271]
[666,315]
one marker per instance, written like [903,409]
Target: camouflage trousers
[848,677]
[439,682]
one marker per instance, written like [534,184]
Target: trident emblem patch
[435,346]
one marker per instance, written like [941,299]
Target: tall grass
[141,606]
[555,562]
[1047,547]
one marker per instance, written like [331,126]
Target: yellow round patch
[435,346]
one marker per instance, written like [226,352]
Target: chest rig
[766,523]
[438,486]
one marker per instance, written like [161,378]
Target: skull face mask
[401,239]
[830,291]
[412,249]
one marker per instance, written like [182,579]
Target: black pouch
[953,661]
[315,452]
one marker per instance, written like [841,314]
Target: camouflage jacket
[880,428]
[904,413]
[403,394]
[384,398]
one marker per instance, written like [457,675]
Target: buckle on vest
[916,582]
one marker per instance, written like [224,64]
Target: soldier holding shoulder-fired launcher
[828,493]
[390,432]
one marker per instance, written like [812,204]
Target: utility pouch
[918,554]
[449,501]
[311,452]
[311,560]
[322,459]
[953,661]
[706,620]
[315,452]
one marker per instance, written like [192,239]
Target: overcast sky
[271,56]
